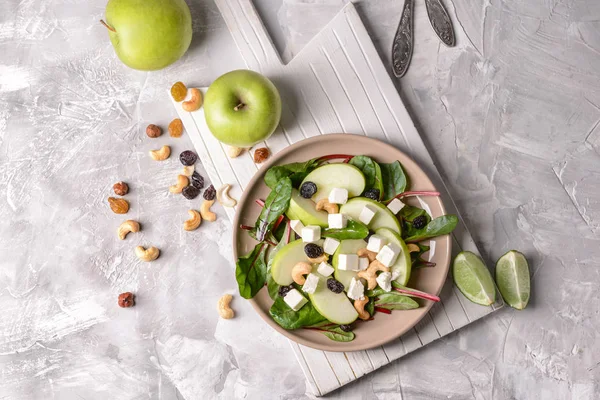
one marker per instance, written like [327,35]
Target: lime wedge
[473,278]
[512,277]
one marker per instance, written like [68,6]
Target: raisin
[371,233]
[126,300]
[178,91]
[188,157]
[210,193]
[419,222]
[346,328]
[313,250]
[308,190]
[335,286]
[197,180]
[190,192]
[176,128]
[372,194]
[283,290]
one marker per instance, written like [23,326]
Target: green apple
[403,264]
[149,34]
[242,108]
[384,218]
[304,210]
[285,260]
[336,307]
[337,175]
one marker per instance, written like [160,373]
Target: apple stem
[110,28]
[239,107]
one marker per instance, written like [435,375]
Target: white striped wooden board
[336,84]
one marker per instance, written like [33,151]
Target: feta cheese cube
[376,242]
[337,221]
[325,269]
[311,233]
[295,300]
[363,263]
[348,262]
[312,281]
[356,291]
[297,226]
[384,280]
[367,214]
[330,245]
[395,206]
[338,196]
[388,254]
[395,274]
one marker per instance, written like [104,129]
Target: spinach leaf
[276,204]
[272,286]
[407,215]
[440,226]
[251,271]
[370,170]
[374,292]
[394,180]
[370,306]
[394,301]
[339,335]
[290,319]
[354,230]
[295,171]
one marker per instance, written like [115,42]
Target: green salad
[336,243]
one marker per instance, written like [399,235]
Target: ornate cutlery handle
[402,47]
[440,21]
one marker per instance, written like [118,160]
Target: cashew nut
[182,181]
[188,170]
[149,254]
[371,255]
[162,154]
[359,306]
[234,152]
[223,196]
[299,270]
[225,310]
[194,222]
[205,211]
[370,274]
[322,258]
[324,204]
[126,227]
[195,102]
[412,247]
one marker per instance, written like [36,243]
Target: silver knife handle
[402,48]
[440,21]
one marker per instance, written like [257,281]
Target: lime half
[512,277]
[473,278]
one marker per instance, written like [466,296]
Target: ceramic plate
[383,328]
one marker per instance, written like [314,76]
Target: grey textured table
[511,114]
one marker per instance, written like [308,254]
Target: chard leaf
[276,204]
[251,271]
[354,230]
[394,180]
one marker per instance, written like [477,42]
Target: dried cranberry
[210,193]
[188,157]
[419,222]
[197,180]
[346,328]
[313,250]
[372,194]
[335,286]
[308,190]
[283,290]
[190,192]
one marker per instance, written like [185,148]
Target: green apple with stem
[149,34]
[242,108]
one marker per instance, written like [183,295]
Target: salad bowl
[382,327]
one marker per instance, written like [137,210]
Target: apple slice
[285,260]
[343,176]
[403,264]
[304,210]
[336,307]
[384,218]
[350,246]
